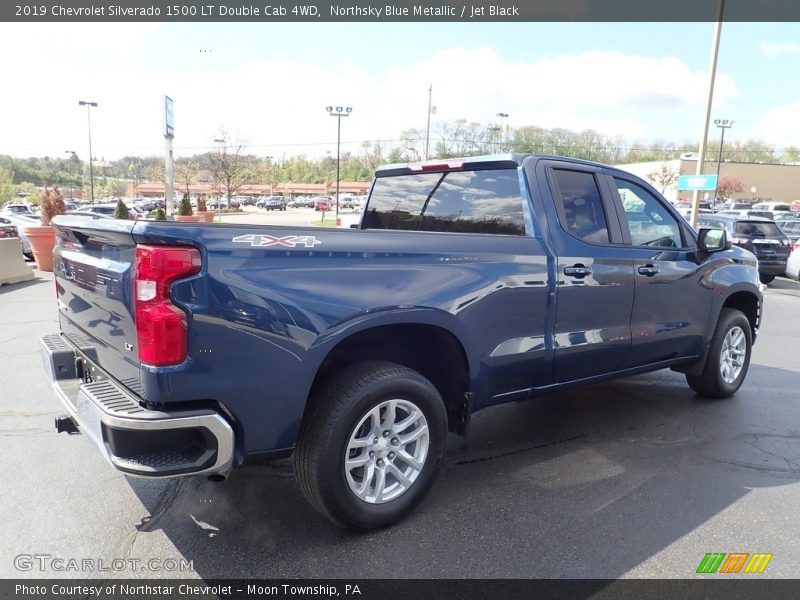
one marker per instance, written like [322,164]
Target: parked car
[246,200]
[21,221]
[17,208]
[791,228]
[793,264]
[94,215]
[359,351]
[346,202]
[786,216]
[272,203]
[301,202]
[772,207]
[223,203]
[8,229]
[100,209]
[322,203]
[760,236]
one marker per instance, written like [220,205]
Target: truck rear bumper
[135,440]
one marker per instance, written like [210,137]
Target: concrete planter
[187,218]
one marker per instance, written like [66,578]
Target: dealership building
[762,182]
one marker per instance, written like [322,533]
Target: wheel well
[432,351]
[748,304]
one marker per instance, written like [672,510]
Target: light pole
[495,129]
[723,124]
[339,112]
[73,157]
[222,159]
[753,191]
[89,106]
[502,116]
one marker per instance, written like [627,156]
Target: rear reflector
[161,327]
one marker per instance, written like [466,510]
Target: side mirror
[712,240]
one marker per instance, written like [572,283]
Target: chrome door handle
[648,270]
[578,271]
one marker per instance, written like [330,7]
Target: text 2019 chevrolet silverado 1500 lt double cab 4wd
[188,348]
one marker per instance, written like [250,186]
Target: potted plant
[185,211]
[202,210]
[43,237]
[160,215]
[121,210]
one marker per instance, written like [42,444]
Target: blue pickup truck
[192,349]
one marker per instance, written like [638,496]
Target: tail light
[161,327]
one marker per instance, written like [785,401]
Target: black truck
[191,349]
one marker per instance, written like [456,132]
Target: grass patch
[325,223]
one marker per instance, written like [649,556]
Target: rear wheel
[765,279]
[728,357]
[371,444]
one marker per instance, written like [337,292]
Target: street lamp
[89,106]
[495,129]
[502,116]
[338,112]
[723,124]
[222,158]
[753,191]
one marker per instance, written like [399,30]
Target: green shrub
[160,215]
[121,211]
[185,208]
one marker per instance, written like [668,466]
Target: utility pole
[89,106]
[723,124]
[701,159]
[338,113]
[502,116]
[431,110]
[169,134]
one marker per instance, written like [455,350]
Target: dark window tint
[580,208]
[757,229]
[651,224]
[457,201]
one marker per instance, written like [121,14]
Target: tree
[663,177]
[186,170]
[728,186]
[231,168]
[121,210]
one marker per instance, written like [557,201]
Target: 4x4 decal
[288,241]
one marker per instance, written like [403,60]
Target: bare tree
[663,177]
[186,170]
[231,168]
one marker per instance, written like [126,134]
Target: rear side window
[757,229]
[456,201]
[580,207]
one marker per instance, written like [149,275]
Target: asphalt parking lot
[635,478]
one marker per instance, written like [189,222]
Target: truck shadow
[585,484]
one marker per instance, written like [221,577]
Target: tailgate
[93,267]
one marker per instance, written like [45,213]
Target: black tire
[336,409]
[765,279]
[710,382]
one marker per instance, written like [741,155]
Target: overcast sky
[268,84]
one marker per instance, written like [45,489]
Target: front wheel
[371,444]
[728,357]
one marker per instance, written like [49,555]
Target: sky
[267,84]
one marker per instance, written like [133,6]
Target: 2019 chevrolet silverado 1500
[191,348]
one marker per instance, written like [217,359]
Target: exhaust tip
[217,477]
